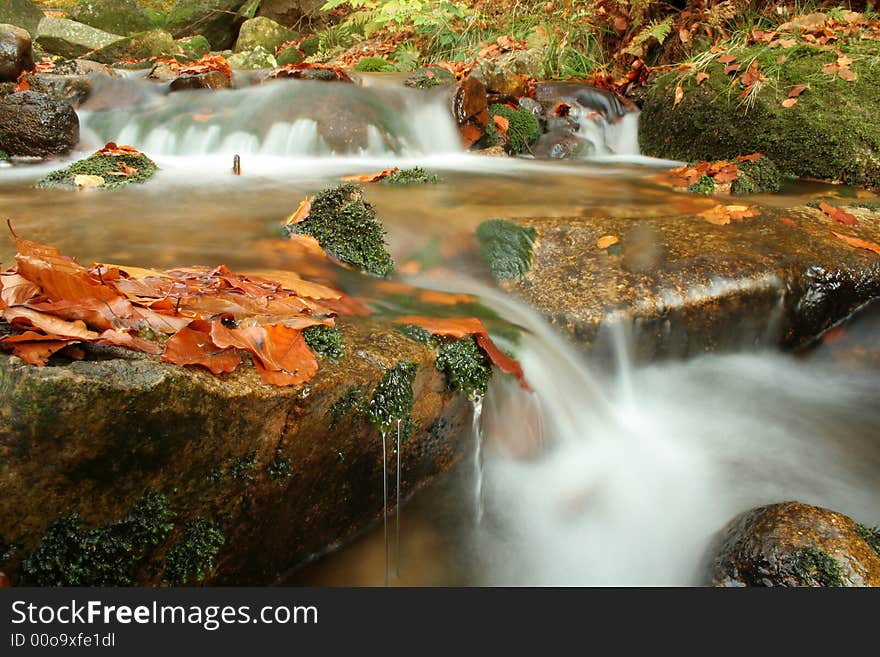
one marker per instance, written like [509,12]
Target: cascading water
[477,431]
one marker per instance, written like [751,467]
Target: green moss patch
[523,128]
[758,177]
[71,555]
[414,176]
[392,399]
[831,133]
[192,557]
[108,167]
[814,567]
[705,185]
[325,341]
[346,228]
[871,535]
[351,403]
[374,65]
[4,157]
[506,248]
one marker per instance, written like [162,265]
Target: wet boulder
[71,80]
[794,544]
[232,481]
[262,32]
[831,133]
[508,74]
[123,17]
[688,282]
[194,47]
[16,54]
[561,144]
[144,45]
[217,20]
[470,107]
[69,39]
[208,80]
[33,125]
[21,13]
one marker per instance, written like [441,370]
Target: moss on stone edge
[325,341]
[351,402]
[102,165]
[4,157]
[374,65]
[414,176]
[463,364]
[506,248]
[814,567]
[392,399]
[705,185]
[758,177]
[523,129]
[871,536]
[347,229]
[192,557]
[70,555]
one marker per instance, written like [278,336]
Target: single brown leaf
[858,242]
[702,77]
[302,212]
[679,95]
[789,102]
[501,123]
[797,90]
[607,240]
[840,216]
[191,347]
[363,178]
[787,221]
[49,324]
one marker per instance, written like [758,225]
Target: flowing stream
[620,475]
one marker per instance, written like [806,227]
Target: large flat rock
[282,473]
[61,36]
[686,285]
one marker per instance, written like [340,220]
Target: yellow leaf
[84,181]
[789,102]
[607,240]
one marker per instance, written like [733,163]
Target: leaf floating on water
[858,242]
[365,178]
[840,216]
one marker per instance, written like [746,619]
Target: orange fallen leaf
[607,240]
[302,212]
[368,177]
[501,123]
[191,347]
[679,95]
[858,242]
[702,77]
[789,102]
[840,216]
[787,221]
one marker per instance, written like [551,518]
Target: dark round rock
[16,54]
[33,125]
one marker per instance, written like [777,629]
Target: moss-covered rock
[92,436]
[871,535]
[262,32]
[506,248]
[289,55]
[374,65]
[414,176]
[430,77]
[123,17]
[69,39]
[523,128]
[346,228]
[110,168]
[21,13]
[217,20]
[251,60]
[759,177]
[794,544]
[194,47]
[141,46]
[831,133]
[705,185]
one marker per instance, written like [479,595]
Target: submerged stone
[794,544]
[251,476]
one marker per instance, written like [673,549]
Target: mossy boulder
[794,544]
[413,176]
[141,46]
[123,17]
[683,284]
[523,128]
[374,65]
[21,13]
[831,133]
[194,47]
[121,469]
[16,53]
[508,73]
[258,58]
[262,32]
[289,55]
[217,20]
[115,171]
[430,77]
[69,39]
[346,227]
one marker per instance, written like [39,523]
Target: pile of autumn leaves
[198,316]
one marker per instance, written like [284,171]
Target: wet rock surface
[143,45]
[470,107]
[794,544]
[216,20]
[684,285]
[270,475]
[70,39]
[16,55]
[262,32]
[34,125]
[209,80]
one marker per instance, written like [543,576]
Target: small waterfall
[397,509]
[279,118]
[477,431]
[385,499]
